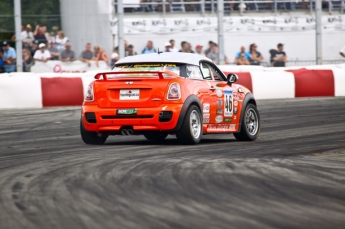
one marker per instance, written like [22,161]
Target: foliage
[33,12]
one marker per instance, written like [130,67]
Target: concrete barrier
[37,90]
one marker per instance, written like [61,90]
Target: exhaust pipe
[127,131]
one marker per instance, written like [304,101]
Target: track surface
[293,176]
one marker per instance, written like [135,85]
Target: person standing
[184,46]
[61,41]
[54,53]
[149,48]
[27,36]
[114,56]
[172,46]
[9,57]
[242,60]
[102,56]
[198,50]
[28,61]
[256,56]
[278,57]
[87,55]
[247,55]
[67,54]
[42,54]
[167,47]
[213,54]
[40,35]
[130,51]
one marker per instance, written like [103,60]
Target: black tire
[184,134]
[91,138]
[250,129]
[155,136]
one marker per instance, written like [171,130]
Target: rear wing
[160,74]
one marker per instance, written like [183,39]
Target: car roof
[165,57]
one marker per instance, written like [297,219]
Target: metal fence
[230,6]
[45,13]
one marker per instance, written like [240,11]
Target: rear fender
[192,99]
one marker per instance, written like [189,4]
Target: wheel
[250,128]
[155,136]
[91,138]
[191,129]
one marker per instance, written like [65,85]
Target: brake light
[174,92]
[89,94]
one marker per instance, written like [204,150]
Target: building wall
[86,21]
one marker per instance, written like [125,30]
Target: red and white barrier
[37,90]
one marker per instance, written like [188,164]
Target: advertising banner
[68,67]
[231,24]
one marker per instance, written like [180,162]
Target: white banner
[231,24]
[68,67]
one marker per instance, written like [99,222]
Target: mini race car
[167,93]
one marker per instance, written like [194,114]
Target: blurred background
[265,24]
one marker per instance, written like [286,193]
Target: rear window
[183,70]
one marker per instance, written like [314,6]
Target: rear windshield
[183,70]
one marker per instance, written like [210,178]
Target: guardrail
[210,6]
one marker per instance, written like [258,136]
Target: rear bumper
[147,119]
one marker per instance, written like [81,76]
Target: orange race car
[167,93]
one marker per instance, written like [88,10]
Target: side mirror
[232,78]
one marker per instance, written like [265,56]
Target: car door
[201,88]
[222,100]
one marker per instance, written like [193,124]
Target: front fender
[248,99]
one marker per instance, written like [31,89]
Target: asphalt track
[293,176]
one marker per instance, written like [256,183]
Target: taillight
[174,92]
[89,94]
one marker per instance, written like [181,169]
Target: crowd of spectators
[41,46]
[278,57]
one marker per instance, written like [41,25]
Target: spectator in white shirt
[342,52]
[42,54]
[198,50]
[167,47]
[27,36]
[172,46]
[61,41]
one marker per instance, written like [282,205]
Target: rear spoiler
[159,73]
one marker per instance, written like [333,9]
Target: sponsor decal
[221,127]
[206,108]
[219,119]
[240,90]
[206,120]
[219,103]
[129,94]
[235,117]
[228,101]
[219,112]
[227,119]
[235,110]
[126,111]
[235,103]
[206,115]
[219,93]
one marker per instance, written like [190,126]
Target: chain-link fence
[34,13]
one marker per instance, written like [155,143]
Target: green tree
[33,12]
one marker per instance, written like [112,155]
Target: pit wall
[38,90]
